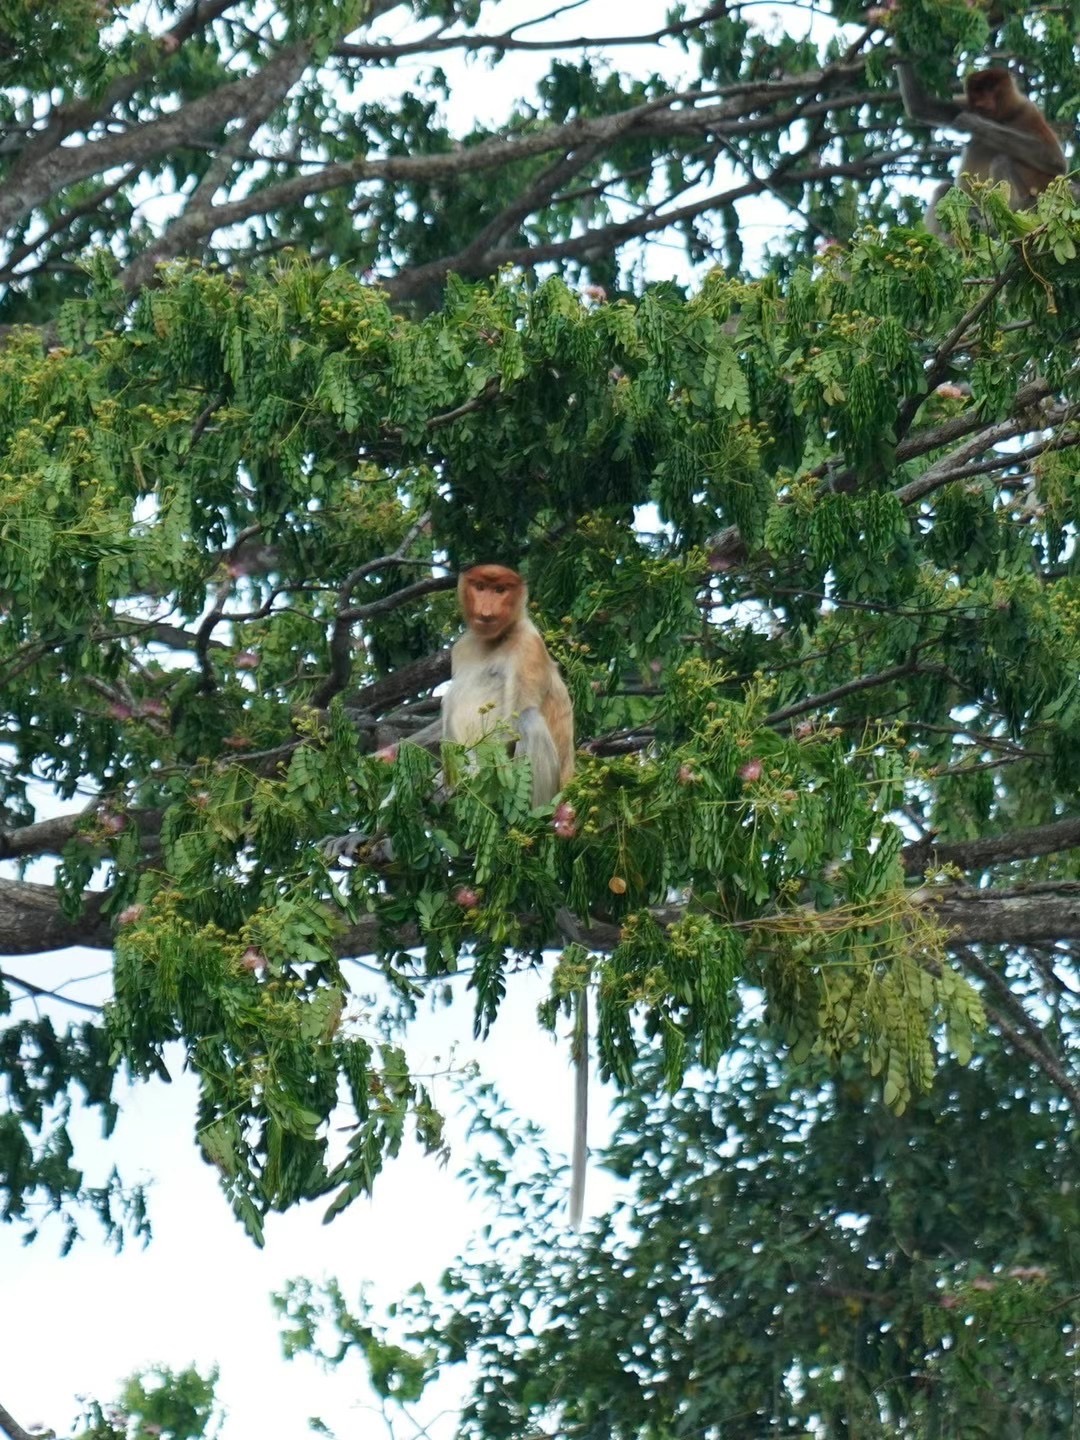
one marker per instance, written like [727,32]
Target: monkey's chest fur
[479,700]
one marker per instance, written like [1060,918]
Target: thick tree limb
[47,167]
[981,917]
[993,849]
[419,677]
[36,176]
[11,1427]
[31,921]
[182,233]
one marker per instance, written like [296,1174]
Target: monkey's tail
[580,1154]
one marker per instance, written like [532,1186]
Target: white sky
[200,1292]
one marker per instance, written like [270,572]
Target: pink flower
[750,772]
[246,660]
[131,914]
[112,824]
[387,754]
[594,292]
[466,897]
[253,959]
[687,775]
[564,821]
[120,712]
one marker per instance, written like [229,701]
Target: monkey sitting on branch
[1011,140]
[502,679]
[503,682]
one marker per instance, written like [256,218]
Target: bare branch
[40,992]
[36,176]
[191,224]
[12,1429]
[341,636]
[672,116]
[385,51]
[414,280]
[865,682]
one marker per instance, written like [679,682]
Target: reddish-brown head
[993,93]
[492,598]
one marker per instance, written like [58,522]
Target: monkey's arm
[379,850]
[1030,150]
[532,681]
[1017,144]
[925,109]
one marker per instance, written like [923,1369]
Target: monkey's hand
[359,847]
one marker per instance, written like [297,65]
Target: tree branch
[728,548]
[36,176]
[865,682]
[39,991]
[993,849]
[12,1429]
[191,224]
[387,50]
[31,920]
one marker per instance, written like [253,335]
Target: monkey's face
[990,91]
[492,597]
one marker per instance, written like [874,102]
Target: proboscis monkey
[502,680]
[1010,140]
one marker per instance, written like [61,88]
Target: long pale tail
[580,1153]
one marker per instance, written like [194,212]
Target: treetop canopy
[802,545]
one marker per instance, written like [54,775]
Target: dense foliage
[786,1259]
[285,345]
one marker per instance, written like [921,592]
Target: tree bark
[31,921]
